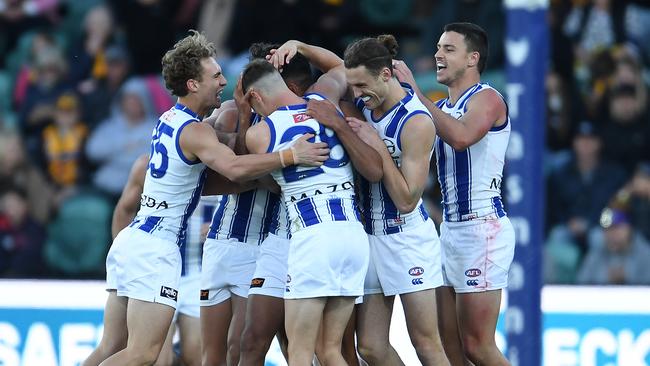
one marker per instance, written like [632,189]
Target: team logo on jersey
[205,294]
[473,272]
[416,271]
[168,292]
[257,282]
[301,117]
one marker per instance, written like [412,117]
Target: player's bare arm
[321,58]
[365,159]
[485,109]
[406,183]
[129,201]
[198,140]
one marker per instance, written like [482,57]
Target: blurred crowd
[80,91]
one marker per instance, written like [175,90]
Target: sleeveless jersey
[173,184]
[470,180]
[192,249]
[247,216]
[380,213]
[312,194]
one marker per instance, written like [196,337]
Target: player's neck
[395,94]
[282,99]
[193,105]
[458,87]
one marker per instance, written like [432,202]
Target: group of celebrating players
[320,187]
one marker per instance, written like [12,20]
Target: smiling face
[453,58]
[211,85]
[372,89]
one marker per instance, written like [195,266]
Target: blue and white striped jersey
[173,184]
[312,194]
[380,213]
[470,180]
[192,249]
[248,216]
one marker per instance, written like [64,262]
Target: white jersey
[173,184]
[381,216]
[470,180]
[247,216]
[312,194]
[192,249]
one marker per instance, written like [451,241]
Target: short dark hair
[254,71]
[476,40]
[373,53]
[297,71]
[183,62]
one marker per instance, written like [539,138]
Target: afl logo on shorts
[168,292]
[473,272]
[416,271]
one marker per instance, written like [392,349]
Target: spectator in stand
[87,56]
[619,256]
[636,196]
[40,42]
[21,237]
[48,84]
[98,93]
[119,140]
[63,144]
[581,189]
[559,126]
[626,116]
[16,170]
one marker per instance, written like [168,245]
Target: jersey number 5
[158,148]
[291,173]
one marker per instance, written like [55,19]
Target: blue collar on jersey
[292,107]
[187,110]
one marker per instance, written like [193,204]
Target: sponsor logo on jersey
[472,282]
[168,292]
[473,272]
[301,117]
[416,271]
[396,222]
[417,281]
[469,216]
[327,189]
[205,294]
[257,282]
[288,279]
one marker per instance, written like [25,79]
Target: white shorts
[404,262]
[143,267]
[227,269]
[327,259]
[477,254]
[270,275]
[189,294]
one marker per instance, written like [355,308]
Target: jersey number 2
[291,173]
[158,148]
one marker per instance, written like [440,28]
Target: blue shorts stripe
[150,223]
[336,209]
[307,212]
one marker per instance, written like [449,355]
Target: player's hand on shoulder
[325,112]
[308,153]
[366,133]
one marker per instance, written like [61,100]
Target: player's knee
[476,348]
[145,357]
[110,347]
[427,344]
[251,343]
[372,349]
